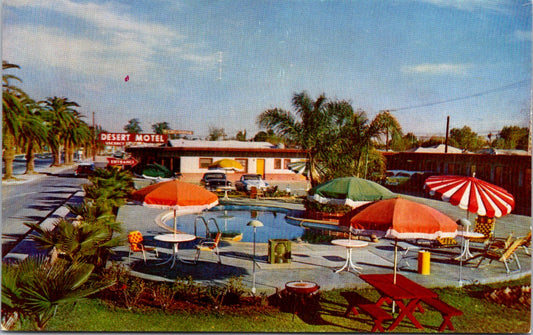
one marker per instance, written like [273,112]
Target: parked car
[214,180]
[248,180]
[84,169]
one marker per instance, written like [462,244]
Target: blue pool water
[275,225]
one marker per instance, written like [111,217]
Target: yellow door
[260,167]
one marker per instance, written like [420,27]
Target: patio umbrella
[472,194]
[402,219]
[351,191]
[176,195]
[227,164]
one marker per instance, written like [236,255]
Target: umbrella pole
[461,260]
[175,223]
[394,271]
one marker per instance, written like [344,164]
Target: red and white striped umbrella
[472,194]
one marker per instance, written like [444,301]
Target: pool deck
[313,262]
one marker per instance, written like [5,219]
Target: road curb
[26,246]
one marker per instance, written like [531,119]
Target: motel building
[192,158]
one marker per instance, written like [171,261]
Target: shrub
[326,208]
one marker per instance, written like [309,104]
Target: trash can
[279,251]
[424,262]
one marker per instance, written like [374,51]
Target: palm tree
[34,133]
[60,116]
[82,242]
[358,139]
[13,110]
[159,128]
[133,127]
[77,134]
[35,287]
[311,128]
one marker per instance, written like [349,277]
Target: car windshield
[251,177]
[214,176]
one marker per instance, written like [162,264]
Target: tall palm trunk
[56,154]
[30,159]
[9,155]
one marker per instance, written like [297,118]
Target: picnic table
[405,293]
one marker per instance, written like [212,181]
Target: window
[205,162]
[277,164]
[286,163]
[244,163]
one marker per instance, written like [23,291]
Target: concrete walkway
[314,262]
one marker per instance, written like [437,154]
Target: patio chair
[209,245]
[504,255]
[136,240]
[484,225]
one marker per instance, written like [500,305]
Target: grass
[480,316]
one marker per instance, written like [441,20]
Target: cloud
[106,40]
[472,5]
[437,69]
[522,35]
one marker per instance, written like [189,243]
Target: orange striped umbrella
[176,195]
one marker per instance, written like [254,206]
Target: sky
[200,65]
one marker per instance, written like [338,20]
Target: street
[32,201]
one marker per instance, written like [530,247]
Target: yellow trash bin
[424,262]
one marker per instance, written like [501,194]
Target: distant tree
[241,135]
[159,128]
[410,141]
[216,134]
[267,136]
[464,138]
[512,137]
[133,127]
[433,140]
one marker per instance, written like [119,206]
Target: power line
[502,88]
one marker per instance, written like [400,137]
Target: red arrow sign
[117,161]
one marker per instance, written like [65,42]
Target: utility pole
[447,128]
[94,140]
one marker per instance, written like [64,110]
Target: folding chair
[136,241]
[209,245]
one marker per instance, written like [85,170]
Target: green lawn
[480,316]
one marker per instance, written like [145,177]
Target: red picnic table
[403,290]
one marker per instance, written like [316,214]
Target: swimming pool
[235,218]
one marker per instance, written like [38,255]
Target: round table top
[469,234]
[301,286]
[175,238]
[350,243]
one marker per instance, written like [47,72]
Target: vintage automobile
[247,181]
[215,180]
[84,169]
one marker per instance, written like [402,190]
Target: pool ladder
[206,223]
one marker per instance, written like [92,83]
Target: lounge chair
[136,241]
[527,243]
[504,255]
[209,245]
[445,242]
